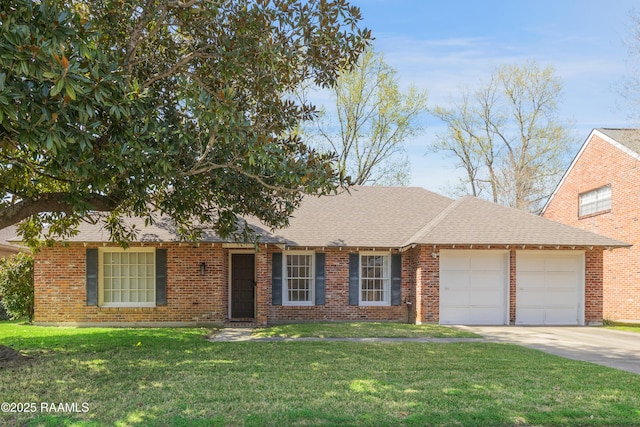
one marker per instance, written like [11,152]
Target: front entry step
[240,323]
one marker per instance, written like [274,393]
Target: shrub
[3,312]
[16,285]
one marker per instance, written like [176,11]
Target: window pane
[595,201]
[374,278]
[299,278]
[128,277]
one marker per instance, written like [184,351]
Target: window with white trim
[595,201]
[299,279]
[375,279]
[127,277]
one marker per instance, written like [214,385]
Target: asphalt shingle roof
[630,138]
[393,217]
[473,221]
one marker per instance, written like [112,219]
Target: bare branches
[374,119]
[507,137]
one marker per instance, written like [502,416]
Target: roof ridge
[435,221]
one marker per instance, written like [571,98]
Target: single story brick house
[373,253]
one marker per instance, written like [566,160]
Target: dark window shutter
[396,279]
[276,278]
[92,276]
[354,278]
[161,277]
[320,278]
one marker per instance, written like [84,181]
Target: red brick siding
[60,288]
[601,164]
[336,307]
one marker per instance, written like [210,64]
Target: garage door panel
[550,294]
[530,317]
[473,287]
[455,279]
[487,279]
[532,264]
[454,316]
[532,299]
[453,298]
[485,262]
[560,316]
[561,279]
[564,299]
[531,279]
[562,263]
[454,262]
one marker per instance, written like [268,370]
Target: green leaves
[16,285]
[131,106]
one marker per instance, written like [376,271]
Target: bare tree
[507,136]
[372,119]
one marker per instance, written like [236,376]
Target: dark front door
[242,286]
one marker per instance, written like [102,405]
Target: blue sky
[442,45]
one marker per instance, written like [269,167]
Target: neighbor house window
[299,280]
[127,277]
[375,278]
[595,201]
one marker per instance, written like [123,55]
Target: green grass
[624,328]
[172,377]
[361,330]
[618,326]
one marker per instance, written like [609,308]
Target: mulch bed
[12,358]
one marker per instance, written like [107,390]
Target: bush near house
[16,286]
[3,313]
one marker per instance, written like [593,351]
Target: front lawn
[629,327]
[361,330]
[173,377]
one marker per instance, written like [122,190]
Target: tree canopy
[176,107]
[507,137]
[372,119]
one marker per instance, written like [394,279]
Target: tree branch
[50,202]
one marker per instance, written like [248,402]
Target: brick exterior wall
[602,164]
[60,288]
[336,307]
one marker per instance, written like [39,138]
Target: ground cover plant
[165,377]
[629,328]
[620,326]
[361,330]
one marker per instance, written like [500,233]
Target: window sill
[298,304]
[594,214]
[120,306]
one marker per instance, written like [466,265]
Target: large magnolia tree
[131,107]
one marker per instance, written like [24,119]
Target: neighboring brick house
[374,253]
[600,192]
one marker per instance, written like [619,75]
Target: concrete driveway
[616,349]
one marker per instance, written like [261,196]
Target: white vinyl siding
[595,201]
[375,279]
[299,279]
[127,277]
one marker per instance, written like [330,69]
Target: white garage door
[473,287]
[549,287]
